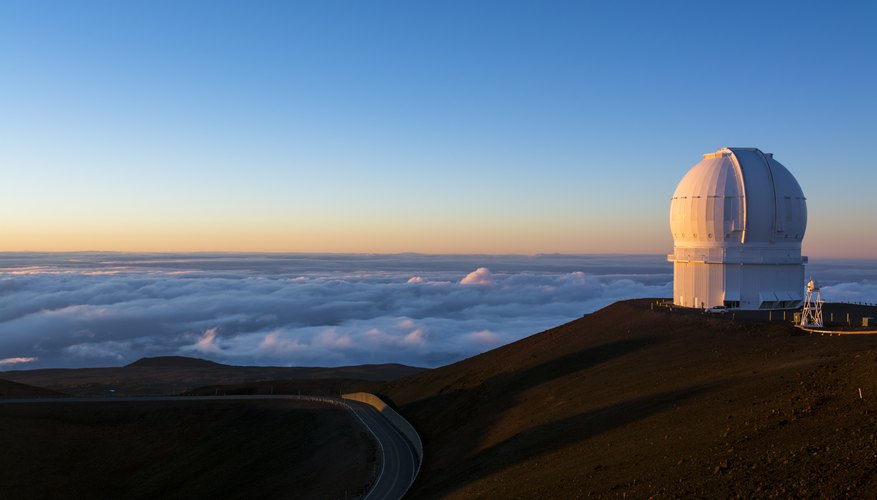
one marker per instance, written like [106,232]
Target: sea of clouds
[109,309]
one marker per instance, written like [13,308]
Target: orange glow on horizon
[439,239]
[437,236]
[520,233]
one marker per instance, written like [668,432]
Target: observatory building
[738,218]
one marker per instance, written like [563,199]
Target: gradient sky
[499,127]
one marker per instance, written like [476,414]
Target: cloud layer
[107,310]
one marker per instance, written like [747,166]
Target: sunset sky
[477,127]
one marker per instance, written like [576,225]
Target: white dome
[738,196]
[738,218]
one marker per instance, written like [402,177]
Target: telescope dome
[738,218]
[737,196]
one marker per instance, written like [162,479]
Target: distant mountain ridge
[174,362]
[165,375]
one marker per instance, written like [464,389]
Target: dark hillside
[182,449]
[15,390]
[177,375]
[308,387]
[629,400]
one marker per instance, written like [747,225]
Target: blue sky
[495,127]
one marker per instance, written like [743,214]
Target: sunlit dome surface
[738,195]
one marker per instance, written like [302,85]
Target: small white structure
[738,218]
[811,316]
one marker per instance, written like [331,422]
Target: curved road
[395,455]
[398,463]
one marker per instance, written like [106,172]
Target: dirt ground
[633,402]
[230,449]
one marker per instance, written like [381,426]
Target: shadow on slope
[482,404]
[551,436]
[9,389]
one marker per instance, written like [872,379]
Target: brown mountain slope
[9,389]
[629,400]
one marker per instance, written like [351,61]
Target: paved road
[399,464]
[395,455]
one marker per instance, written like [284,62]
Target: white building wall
[769,286]
[754,286]
[698,284]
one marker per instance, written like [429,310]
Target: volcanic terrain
[640,402]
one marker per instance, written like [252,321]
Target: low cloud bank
[95,311]
[107,310]
[861,293]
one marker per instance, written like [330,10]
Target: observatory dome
[737,196]
[738,218]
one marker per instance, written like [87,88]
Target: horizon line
[425,254]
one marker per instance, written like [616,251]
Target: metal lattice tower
[811,316]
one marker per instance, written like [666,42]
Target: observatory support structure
[701,281]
